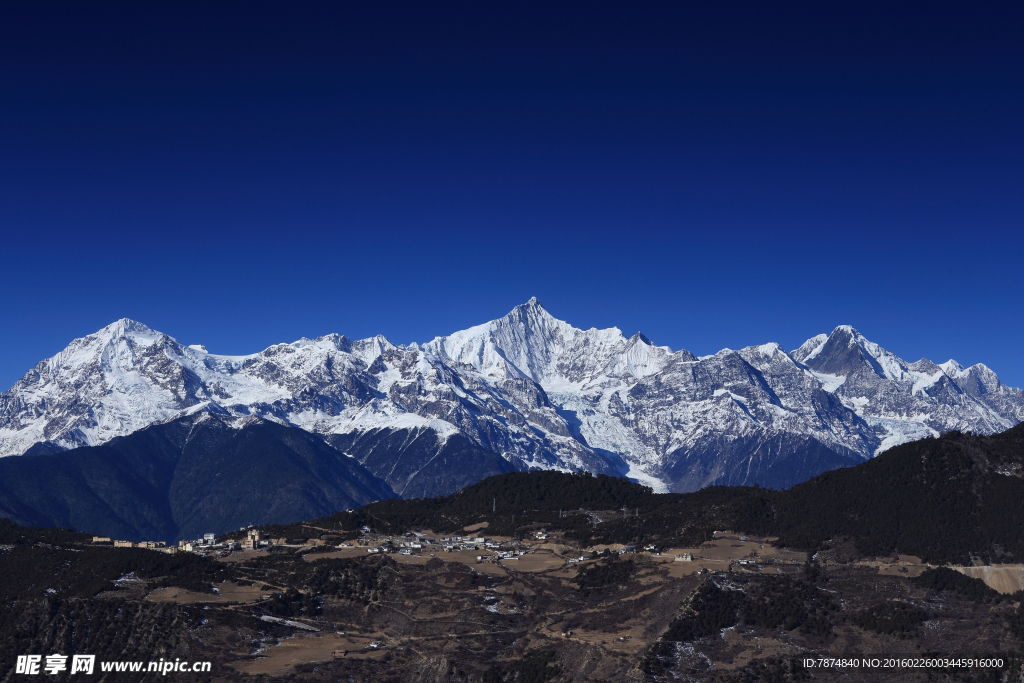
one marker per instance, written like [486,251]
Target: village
[544,551]
[410,544]
[727,552]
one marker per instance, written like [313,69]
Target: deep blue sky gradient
[239,175]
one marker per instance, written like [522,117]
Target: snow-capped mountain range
[535,390]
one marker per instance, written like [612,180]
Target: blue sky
[239,175]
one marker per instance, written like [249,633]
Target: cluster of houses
[253,540]
[582,558]
[154,545]
[410,543]
[158,545]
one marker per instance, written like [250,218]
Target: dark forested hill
[944,499]
[184,478]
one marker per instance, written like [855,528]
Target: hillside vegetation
[946,500]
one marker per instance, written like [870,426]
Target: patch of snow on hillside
[641,477]
[829,383]
[856,403]
[923,381]
[900,431]
[367,420]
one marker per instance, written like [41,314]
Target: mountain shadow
[190,476]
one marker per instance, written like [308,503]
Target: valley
[551,576]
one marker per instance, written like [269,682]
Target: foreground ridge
[552,576]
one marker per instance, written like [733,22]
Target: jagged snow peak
[530,387]
[906,401]
[530,343]
[809,348]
